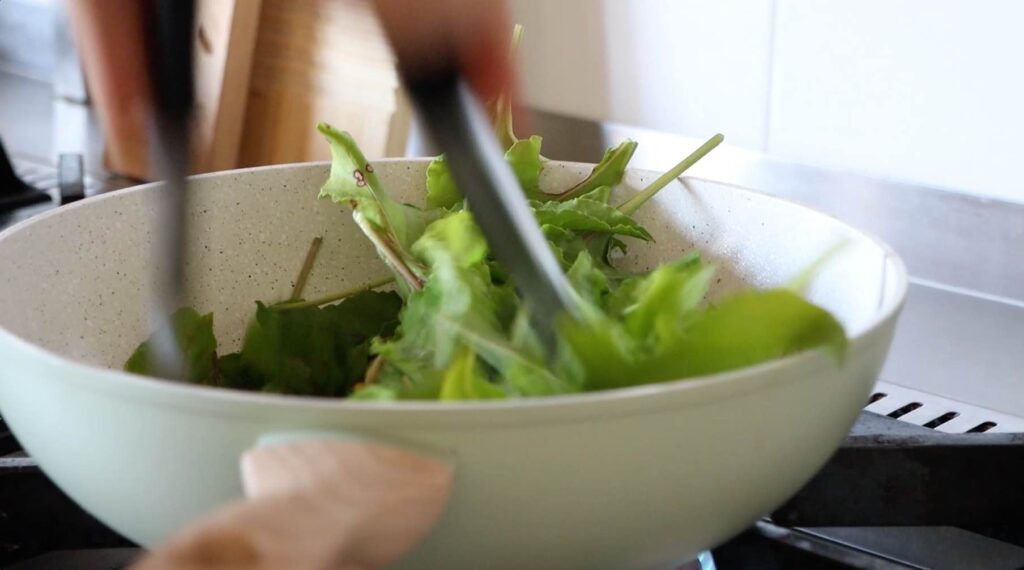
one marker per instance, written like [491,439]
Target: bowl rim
[729,381]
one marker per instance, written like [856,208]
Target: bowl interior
[77,280]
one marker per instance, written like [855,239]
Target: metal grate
[938,413]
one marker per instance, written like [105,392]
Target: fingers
[471,36]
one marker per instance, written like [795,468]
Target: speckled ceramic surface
[621,479]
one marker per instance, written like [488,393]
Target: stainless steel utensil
[171,79]
[456,123]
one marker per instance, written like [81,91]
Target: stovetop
[868,483]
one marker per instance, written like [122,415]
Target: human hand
[472,35]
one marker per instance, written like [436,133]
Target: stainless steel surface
[947,415]
[921,547]
[953,239]
[962,346]
[458,126]
[838,554]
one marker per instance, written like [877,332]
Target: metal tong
[170,53]
[455,121]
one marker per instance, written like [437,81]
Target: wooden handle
[109,35]
[316,505]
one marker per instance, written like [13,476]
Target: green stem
[607,172]
[503,104]
[629,207]
[373,370]
[517,36]
[386,249]
[334,297]
[307,266]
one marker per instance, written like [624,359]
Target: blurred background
[925,92]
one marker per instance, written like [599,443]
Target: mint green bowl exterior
[633,478]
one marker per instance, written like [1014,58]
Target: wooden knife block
[320,60]
[266,72]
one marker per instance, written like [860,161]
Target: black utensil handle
[171,57]
[170,52]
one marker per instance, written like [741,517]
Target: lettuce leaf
[441,190]
[665,337]
[587,215]
[459,290]
[608,172]
[313,351]
[391,226]
[194,334]
[463,380]
[523,156]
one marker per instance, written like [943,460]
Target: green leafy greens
[457,330]
[312,351]
[194,336]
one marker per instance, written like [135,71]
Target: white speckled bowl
[631,478]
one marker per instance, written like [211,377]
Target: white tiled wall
[925,91]
[696,70]
[563,56]
[27,37]
[929,91]
[688,66]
